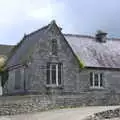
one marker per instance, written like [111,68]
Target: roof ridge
[79,35]
[90,36]
[22,40]
[112,38]
[44,27]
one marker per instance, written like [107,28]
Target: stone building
[49,62]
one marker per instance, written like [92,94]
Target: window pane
[91,79]
[96,82]
[101,79]
[48,73]
[59,73]
[53,74]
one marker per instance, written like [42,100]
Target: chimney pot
[101,36]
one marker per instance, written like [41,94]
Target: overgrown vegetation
[2,63]
[82,65]
[3,72]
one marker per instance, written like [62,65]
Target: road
[61,114]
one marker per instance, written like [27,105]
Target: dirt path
[62,114]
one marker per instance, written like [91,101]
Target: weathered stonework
[105,115]
[75,88]
[11,105]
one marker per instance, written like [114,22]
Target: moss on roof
[15,48]
[81,63]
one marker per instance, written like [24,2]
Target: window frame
[56,74]
[49,74]
[100,80]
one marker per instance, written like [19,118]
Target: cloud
[78,16]
[17,16]
[47,11]
[14,11]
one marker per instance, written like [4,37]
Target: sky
[19,17]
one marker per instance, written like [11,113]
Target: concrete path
[62,114]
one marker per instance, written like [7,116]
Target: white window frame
[93,80]
[56,74]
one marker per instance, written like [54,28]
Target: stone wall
[105,115]
[34,76]
[10,105]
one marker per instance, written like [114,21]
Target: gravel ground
[62,114]
[113,119]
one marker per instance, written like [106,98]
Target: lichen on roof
[81,63]
[95,54]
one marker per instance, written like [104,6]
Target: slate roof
[5,50]
[93,53]
[21,51]
[86,48]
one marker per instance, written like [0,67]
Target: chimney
[101,36]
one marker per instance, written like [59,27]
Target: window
[54,73]
[17,79]
[96,80]
[54,47]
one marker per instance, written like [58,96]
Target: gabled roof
[86,48]
[5,50]
[93,53]
[22,49]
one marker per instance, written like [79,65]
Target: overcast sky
[74,16]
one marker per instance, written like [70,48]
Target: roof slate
[86,48]
[21,51]
[93,53]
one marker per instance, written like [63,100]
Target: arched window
[54,47]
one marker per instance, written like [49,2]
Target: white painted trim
[93,77]
[93,80]
[57,74]
[99,80]
[50,73]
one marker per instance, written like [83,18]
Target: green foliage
[2,69]
[80,62]
[4,76]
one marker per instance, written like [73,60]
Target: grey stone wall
[10,105]
[9,86]
[105,115]
[111,81]
[74,79]
[35,74]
